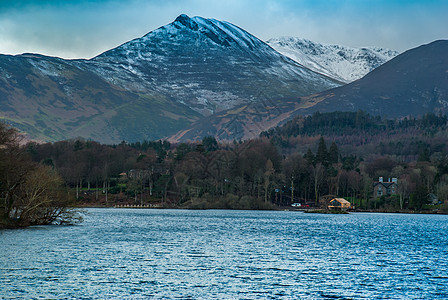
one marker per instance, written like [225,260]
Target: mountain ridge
[342,63]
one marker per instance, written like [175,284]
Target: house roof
[341,200]
[386,184]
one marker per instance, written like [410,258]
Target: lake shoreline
[279,208]
[13,225]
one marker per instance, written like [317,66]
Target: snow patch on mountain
[342,63]
[46,68]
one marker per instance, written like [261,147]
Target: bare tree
[31,194]
[442,188]
[404,187]
[269,170]
[43,200]
[14,166]
[318,176]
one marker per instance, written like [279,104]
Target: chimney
[381,179]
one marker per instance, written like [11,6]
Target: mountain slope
[52,99]
[246,121]
[413,83]
[342,63]
[152,86]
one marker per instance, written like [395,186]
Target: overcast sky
[86,28]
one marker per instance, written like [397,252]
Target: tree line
[348,123]
[363,135]
[254,174]
[281,167]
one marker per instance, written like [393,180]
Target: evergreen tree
[210,143]
[419,197]
[78,145]
[309,156]
[333,154]
[424,155]
[322,153]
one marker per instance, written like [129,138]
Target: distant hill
[413,83]
[150,87]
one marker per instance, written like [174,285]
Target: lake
[132,253]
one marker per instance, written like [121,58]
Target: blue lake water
[131,253]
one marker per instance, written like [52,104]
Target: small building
[385,188]
[339,204]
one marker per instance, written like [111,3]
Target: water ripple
[169,254]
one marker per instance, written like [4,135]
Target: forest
[337,154]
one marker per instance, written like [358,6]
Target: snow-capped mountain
[150,87]
[342,63]
[206,64]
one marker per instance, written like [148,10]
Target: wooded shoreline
[338,154]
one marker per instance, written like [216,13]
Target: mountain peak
[187,22]
[182,17]
[197,32]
